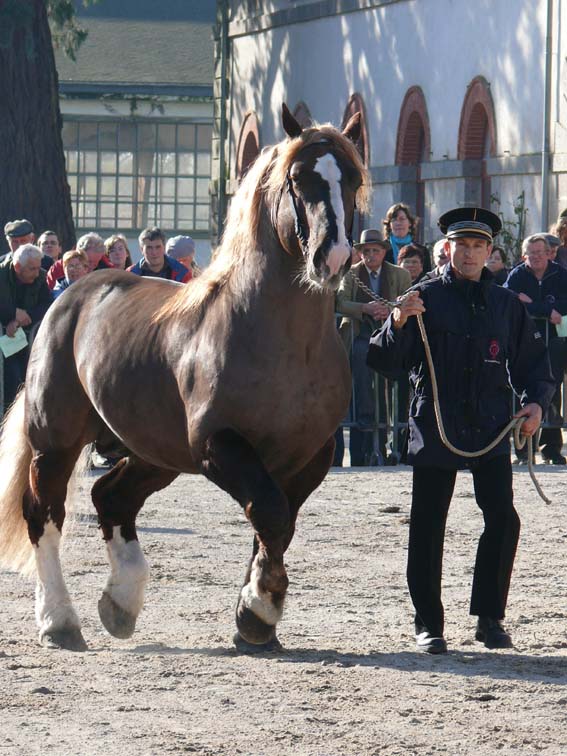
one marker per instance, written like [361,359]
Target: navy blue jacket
[548,294]
[172,270]
[481,339]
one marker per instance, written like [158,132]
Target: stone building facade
[463,103]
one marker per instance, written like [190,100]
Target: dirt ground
[348,681]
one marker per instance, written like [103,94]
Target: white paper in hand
[11,345]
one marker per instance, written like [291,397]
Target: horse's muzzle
[327,270]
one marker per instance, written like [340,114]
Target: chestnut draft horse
[239,375]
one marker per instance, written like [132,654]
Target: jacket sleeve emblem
[494,349]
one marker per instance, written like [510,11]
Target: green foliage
[513,231]
[19,15]
[66,33]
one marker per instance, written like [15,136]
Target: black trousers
[551,439]
[432,491]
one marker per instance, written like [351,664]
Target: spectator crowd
[386,264]
[35,273]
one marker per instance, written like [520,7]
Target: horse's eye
[295,171]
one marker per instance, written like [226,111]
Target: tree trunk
[34,181]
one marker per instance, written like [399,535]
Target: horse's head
[324,175]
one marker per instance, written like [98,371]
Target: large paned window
[127,175]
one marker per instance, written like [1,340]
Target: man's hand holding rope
[411,304]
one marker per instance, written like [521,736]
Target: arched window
[248,144]
[477,136]
[354,105]
[413,146]
[302,115]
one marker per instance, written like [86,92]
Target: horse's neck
[271,284]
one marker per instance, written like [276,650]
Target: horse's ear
[291,126]
[352,129]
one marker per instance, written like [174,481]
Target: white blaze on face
[329,171]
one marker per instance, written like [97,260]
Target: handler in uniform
[481,338]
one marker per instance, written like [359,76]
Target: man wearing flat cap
[18,233]
[363,315]
[482,341]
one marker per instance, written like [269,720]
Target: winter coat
[482,339]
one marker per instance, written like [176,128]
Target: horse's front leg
[118,497]
[297,489]
[232,464]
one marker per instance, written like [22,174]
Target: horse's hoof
[252,629]
[245,647]
[69,639]
[119,623]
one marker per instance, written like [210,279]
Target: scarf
[397,242]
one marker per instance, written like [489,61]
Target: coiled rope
[515,423]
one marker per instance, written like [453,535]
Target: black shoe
[490,632]
[428,643]
[554,458]
[522,459]
[392,460]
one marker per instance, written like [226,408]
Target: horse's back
[97,357]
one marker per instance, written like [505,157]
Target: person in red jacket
[93,246]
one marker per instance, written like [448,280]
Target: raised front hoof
[252,629]
[244,647]
[68,639]
[117,621]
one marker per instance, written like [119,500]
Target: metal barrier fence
[390,418]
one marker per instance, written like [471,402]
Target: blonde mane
[261,186]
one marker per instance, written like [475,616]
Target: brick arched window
[248,144]
[477,130]
[302,115]
[477,134]
[413,145]
[354,105]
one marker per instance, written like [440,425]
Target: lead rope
[515,423]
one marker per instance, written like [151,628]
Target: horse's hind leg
[232,464]
[44,511]
[118,497]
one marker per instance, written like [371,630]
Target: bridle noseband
[300,231]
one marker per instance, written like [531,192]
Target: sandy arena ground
[348,681]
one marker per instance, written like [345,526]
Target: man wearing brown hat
[363,315]
[483,342]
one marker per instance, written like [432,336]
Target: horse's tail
[16,550]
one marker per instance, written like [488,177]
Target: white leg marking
[259,601]
[129,573]
[339,253]
[53,607]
